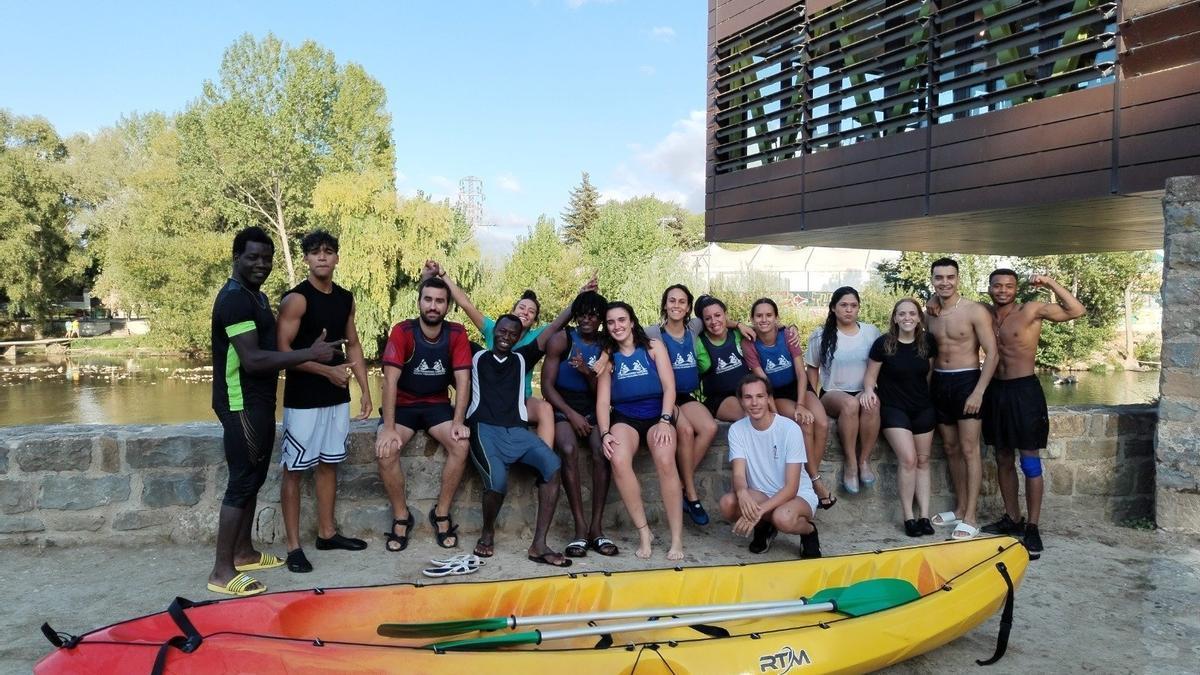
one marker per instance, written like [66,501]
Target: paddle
[864,597]
[445,628]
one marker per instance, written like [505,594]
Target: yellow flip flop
[239,586]
[266,561]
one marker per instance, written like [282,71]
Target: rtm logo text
[783,661]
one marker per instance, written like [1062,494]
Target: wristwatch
[668,418]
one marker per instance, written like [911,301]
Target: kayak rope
[1006,620]
[187,643]
[60,640]
[654,648]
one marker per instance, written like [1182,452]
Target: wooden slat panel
[879,190]
[1025,168]
[1160,86]
[1046,190]
[865,172]
[782,205]
[868,151]
[876,212]
[1046,136]
[1162,145]
[1067,106]
[759,174]
[1158,115]
[1154,176]
[735,16]
[759,191]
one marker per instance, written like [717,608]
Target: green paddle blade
[867,597]
[440,628]
[531,637]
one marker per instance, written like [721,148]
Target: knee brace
[1031,466]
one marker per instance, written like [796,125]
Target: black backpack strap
[1006,620]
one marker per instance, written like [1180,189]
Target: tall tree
[276,120]
[41,253]
[582,211]
[542,262]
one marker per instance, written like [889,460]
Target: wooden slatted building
[1001,126]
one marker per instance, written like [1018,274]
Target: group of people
[611,385]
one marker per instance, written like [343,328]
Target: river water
[152,390]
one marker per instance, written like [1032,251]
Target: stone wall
[1177,448]
[66,485]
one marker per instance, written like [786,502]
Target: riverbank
[1105,599]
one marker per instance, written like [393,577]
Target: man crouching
[771,491]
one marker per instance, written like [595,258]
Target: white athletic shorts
[312,435]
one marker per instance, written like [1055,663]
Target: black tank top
[726,370]
[328,312]
[427,372]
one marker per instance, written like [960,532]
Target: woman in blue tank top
[696,428]
[722,365]
[778,356]
[638,383]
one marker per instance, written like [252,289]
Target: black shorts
[848,393]
[249,438]
[639,425]
[422,416]
[918,421]
[579,401]
[684,399]
[1015,414]
[950,392]
[790,392]
[713,403]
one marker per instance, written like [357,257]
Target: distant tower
[470,200]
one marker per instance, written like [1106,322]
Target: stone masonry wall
[68,485]
[1177,448]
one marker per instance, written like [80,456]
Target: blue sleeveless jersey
[636,390]
[570,379]
[683,360]
[776,362]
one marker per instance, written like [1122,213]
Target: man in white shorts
[771,491]
[316,396]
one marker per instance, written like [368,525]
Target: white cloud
[662,33]
[576,4]
[509,182]
[648,71]
[672,169]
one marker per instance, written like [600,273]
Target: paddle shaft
[542,620]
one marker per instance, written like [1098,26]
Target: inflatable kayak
[848,613]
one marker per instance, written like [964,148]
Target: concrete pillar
[1177,443]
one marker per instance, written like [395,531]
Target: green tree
[42,256]
[625,239]
[581,212]
[276,120]
[542,262]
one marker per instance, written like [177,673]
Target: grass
[1138,523]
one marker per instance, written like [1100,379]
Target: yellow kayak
[956,586]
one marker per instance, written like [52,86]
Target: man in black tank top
[316,396]
[245,370]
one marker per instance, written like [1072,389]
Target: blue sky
[524,94]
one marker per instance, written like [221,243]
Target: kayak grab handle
[1006,620]
[60,640]
[187,643]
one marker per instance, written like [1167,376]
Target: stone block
[173,489]
[1178,511]
[1136,448]
[1102,425]
[268,525]
[1182,320]
[1180,288]
[1062,478]
[1055,447]
[110,454]
[1097,479]
[195,525]
[1094,448]
[1144,479]
[361,483]
[55,453]
[1179,354]
[1066,425]
[171,451]
[4,460]
[75,522]
[359,521]
[16,496]
[77,493]
[360,447]
[1139,424]
[21,524]
[1179,409]
[140,520]
[1179,382]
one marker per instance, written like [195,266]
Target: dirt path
[1101,600]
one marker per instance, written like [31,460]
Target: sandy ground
[1103,599]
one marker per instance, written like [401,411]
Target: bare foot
[644,548]
[675,553]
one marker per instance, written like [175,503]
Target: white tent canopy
[795,270]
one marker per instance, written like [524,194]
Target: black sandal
[400,539]
[451,531]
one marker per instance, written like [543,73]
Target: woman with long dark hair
[635,402]
[837,352]
[900,364]
[776,356]
[695,428]
[719,356]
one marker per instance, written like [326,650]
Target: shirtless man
[1015,408]
[961,327]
